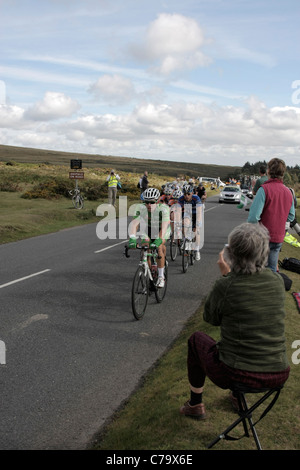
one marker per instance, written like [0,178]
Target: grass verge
[150,418]
[22,218]
[35,198]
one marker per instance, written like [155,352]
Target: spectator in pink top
[272,207]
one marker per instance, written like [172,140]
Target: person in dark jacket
[247,302]
[144,182]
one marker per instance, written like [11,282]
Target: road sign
[76,175]
[76,164]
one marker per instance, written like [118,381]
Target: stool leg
[258,445]
[224,433]
[249,417]
[242,409]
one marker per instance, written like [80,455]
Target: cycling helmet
[187,189]
[151,194]
[177,194]
[168,190]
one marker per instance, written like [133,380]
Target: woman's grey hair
[248,248]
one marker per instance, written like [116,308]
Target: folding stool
[245,413]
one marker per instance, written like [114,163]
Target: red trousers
[203,360]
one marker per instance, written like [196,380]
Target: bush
[94,191]
[10,186]
[43,191]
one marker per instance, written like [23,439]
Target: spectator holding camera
[247,302]
[112,181]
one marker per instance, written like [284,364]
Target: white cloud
[195,131]
[53,106]
[193,126]
[11,116]
[33,75]
[173,43]
[113,89]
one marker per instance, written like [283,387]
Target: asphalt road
[74,351]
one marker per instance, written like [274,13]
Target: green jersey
[151,222]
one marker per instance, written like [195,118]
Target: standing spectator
[201,192]
[144,183]
[261,180]
[112,180]
[272,207]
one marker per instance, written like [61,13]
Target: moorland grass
[34,198]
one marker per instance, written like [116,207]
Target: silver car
[230,193]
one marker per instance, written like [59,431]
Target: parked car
[247,190]
[230,193]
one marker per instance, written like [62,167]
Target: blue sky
[205,81]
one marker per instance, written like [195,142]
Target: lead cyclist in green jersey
[154,220]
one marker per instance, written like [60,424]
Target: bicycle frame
[144,283]
[144,258]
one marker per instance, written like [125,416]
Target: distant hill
[134,165]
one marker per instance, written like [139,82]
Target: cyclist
[155,218]
[173,201]
[191,206]
[166,196]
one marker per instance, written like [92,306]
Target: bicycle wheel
[77,201]
[173,247]
[161,291]
[192,257]
[185,257]
[139,293]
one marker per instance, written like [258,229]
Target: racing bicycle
[77,199]
[176,241]
[144,281]
[183,246]
[188,254]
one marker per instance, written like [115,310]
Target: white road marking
[210,209]
[111,246]
[24,278]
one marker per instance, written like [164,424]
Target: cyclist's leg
[187,227]
[196,237]
[161,254]
[172,221]
[161,259]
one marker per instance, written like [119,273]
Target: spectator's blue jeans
[273,256]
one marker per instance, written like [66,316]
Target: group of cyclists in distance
[159,211]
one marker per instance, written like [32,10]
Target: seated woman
[248,305]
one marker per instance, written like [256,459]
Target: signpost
[76,164]
[76,175]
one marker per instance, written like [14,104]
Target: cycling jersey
[172,201]
[152,221]
[164,199]
[192,204]
[189,208]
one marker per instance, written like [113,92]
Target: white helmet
[187,189]
[151,194]
[168,190]
[177,194]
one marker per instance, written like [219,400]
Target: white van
[214,181]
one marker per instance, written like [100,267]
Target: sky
[203,81]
